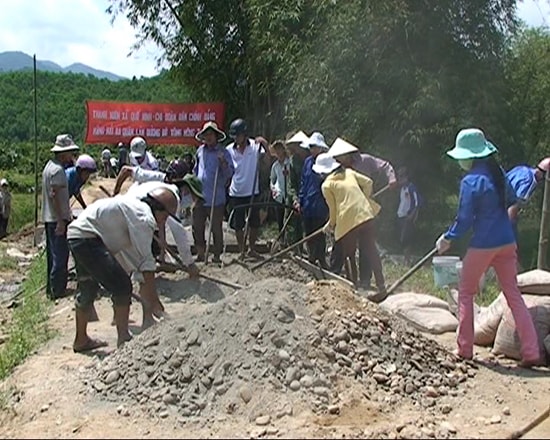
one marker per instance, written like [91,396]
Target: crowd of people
[318,189]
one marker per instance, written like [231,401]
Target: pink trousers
[504,261]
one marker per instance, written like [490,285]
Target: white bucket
[445,270]
[481,281]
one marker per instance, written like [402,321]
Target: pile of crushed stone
[271,347]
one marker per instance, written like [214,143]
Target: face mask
[466,164]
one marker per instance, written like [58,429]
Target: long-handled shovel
[211,215]
[288,249]
[281,233]
[411,271]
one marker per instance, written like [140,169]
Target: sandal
[92,344]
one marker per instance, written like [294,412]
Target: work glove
[442,244]
[327,229]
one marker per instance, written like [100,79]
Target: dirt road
[49,399]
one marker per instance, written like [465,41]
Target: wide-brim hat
[194,184]
[298,138]
[315,140]
[63,144]
[471,143]
[4,182]
[341,147]
[325,164]
[210,125]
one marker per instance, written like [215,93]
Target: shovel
[411,271]
[276,243]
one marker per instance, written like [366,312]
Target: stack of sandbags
[535,287]
[425,312]
[494,325]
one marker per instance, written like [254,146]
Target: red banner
[110,122]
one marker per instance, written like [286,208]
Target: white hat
[137,147]
[341,147]
[298,138]
[4,182]
[210,125]
[63,144]
[324,164]
[315,140]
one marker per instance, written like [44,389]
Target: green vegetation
[22,213]
[28,327]
[6,262]
[423,282]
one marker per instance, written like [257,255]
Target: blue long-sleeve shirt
[523,181]
[481,209]
[73,180]
[205,169]
[312,202]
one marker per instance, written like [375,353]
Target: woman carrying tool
[351,214]
[485,196]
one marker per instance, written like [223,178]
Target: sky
[72,31]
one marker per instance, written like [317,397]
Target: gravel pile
[271,347]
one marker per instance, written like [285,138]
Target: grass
[423,282]
[28,327]
[22,211]
[6,262]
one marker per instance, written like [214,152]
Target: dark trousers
[317,245]
[4,226]
[200,214]
[96,266]
[364,238]
[57,257]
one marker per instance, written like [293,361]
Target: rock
[271,431]
[295,385]
[112,377]
[495,420]
[431,392]
[380,378]
[192,337]
[321,391]
[341,336]
[245,393]
[306,381]
[283,355]
[506,411]
[446,408]
[342,347]
[164,414]
[44,408]
[448,427]
[170,399]
[263,420]
[254,329]
[186,373]
[409,388]
[334,409]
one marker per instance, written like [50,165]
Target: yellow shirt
[348,198]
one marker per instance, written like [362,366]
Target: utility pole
[544,226]
[35,114]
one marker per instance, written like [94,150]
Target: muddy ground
[49,399]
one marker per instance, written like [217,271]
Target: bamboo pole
[35,124]
[544,226]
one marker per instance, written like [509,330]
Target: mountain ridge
[17,60]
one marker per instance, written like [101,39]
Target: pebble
[506,411]
[186,373]
[495,420]
[44,408]
[446,408]
[112,377]
[448,427]
[431,392]
[170,399]
[245,393]
[306,381]
[193,337]
[263,420]
[164,414]
[295,385]
[380,378]
[283,355]
[334,409]
[321,391]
